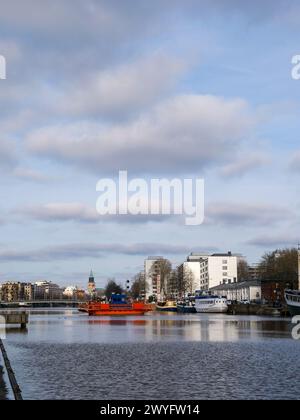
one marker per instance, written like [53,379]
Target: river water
[67,355]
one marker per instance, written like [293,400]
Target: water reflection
[71,326]
[159,356]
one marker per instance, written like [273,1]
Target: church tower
[91,284]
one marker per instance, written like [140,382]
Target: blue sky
[94,87]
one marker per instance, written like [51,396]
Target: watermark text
[139,196]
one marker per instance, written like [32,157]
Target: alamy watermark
[296,67]
[139,196]
[296,328]
[2,67]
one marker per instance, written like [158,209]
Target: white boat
[211,304]
[292,298]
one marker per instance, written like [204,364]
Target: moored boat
[168,306]
[211,304]
[118,306]
[185,308]
[292,298]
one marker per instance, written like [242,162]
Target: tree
[139,286]
[243,270]
[112,287]
[185,281]
[163,268]
[280,266]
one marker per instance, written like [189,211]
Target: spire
[91,278]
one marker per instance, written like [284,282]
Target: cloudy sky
[163,88]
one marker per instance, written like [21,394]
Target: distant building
[246,290]
[11,292]
[28,291]
[152,277]
[45,290]
[172,285]
[70,292]
[216,269]
[205,271]
[254,272]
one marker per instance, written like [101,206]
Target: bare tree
[163,268]
[185,281]
[139,286]
[243,270]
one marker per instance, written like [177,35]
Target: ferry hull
[106,309]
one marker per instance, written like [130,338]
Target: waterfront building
[46,290]
[10,292]
[246,290]
[27,291]
[203,271]
[70,292]
[152,277]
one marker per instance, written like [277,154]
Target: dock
[14,318]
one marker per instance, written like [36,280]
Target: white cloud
[235,213]
[28,174]
[122,90]
[185,133]
[295,162]
[244,165]
[8,157]
[81,213]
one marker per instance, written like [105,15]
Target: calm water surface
[67,355]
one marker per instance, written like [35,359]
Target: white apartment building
[213,270]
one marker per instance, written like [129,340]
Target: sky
[193,89]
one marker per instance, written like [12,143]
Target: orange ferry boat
[119,306]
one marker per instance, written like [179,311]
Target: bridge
[41,304]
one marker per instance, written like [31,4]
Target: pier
[15,318]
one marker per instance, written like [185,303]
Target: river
[67,355]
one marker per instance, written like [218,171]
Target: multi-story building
[28,291]
[11,292]
[204,271]
[45,290]
[152,277]
[254,272]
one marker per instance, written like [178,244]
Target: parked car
[245,302]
